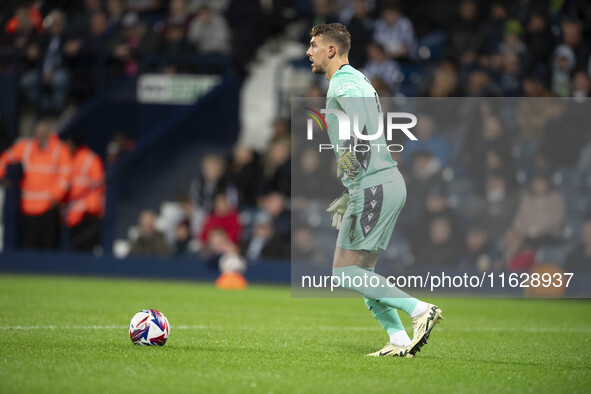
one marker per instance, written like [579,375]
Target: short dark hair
[336,33]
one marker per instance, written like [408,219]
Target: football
[149,328]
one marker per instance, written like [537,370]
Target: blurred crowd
[506,186]
[66,48]
[237,204]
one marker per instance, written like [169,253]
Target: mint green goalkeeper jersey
[351,92]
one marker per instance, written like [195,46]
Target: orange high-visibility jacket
[87,192]
[46,172]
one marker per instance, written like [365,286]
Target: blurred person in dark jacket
[563,137]
[211,181]
[496,209]
[264,243]
[47,85]
[443,247]
[435,206]
[277,167]
[275,206]
[128,43]
[479,251]
[361,28]
[244,172]
[88,56]
[150,242]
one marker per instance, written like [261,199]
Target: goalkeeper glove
[347,164]
[338,208]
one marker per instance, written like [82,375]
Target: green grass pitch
[61,334]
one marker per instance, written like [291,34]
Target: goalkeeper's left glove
[338,208]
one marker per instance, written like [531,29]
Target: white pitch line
[309,328]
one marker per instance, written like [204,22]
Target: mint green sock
[357,279]
[385,315]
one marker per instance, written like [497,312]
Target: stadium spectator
[493,27]
[264,243]
[129,43]
[182,238]
[115,13]
[86,197]
[46,166]
[479,251]
[579,258]
[435,206]
[82,20]
[509,80]
[25,18]
[209,32]
[487,151]
[572,36]
[312,174]
[20,32]
[519,255]
[541,212]
[244,171]
[424,176]
[465,34]
[563,137]
[581,86]
[150,241]
[443,247]
[379,66]
[219,6]
[277,169]
[442,81]
[184,210]
[361,28]
[224,217]
[87,55]
[144,6]
[496,209]
[212,180]
[512,39]
[170,46]
[429,140]
[305,247]
[47,84]
[562,66]
[538,40]
[178,15]
[274,205]
[218,244]
[395,32]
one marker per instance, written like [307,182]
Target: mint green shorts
[371,215]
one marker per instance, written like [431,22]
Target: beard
[318,69]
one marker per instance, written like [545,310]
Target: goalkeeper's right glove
[347,164]
[338,208]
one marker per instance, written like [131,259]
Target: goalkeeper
[365,214]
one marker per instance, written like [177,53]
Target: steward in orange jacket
[86,198]
[46,173]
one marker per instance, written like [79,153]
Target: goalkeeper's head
[329,48]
